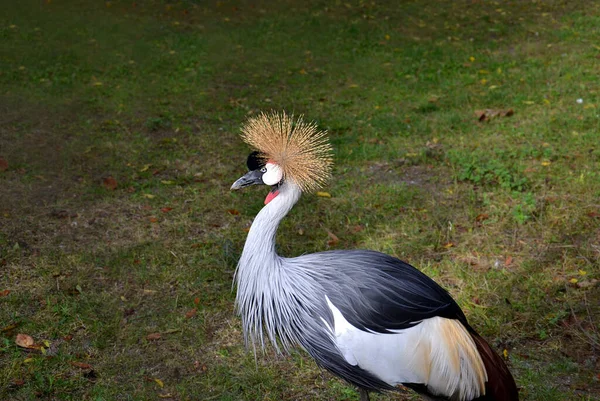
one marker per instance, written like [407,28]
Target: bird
[367,317]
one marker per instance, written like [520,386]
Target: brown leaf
[18,382]
[153,336]
[152,219]
[508,261]
[191,313]
[196,301]
[166,209]
[68,337]
[488,114]
[356,229]
[81,365]
[233,212]
[10,327]
[593,214]
[4,293]
[481,217]
[333,239]
[110,183]
[3,164]
[24,340]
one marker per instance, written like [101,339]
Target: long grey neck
[260,276]
[260,243]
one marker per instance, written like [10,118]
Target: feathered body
[367,317]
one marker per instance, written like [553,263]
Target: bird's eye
[263,170]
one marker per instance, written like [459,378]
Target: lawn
[467,142]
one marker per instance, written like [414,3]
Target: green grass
[504,213]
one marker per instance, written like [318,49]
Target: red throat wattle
[271,196]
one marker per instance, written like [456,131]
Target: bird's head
[261,173]
[288,150]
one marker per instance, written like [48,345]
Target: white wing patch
[437,352]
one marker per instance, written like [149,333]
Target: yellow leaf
[28,360]
[149,196]
[324,194]
[97,83]
[387,37]
[505,353]
[303,71]
[528,102]
[493,87]
[159,382]
[167,182]
[483,81]
[471,59]
[582,272]
[484,72]
[573,281]
[145,168]
[546,163]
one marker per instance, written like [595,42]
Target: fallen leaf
[191,313]
[110,183]
[593,214]
[166,209]
[81,365]
[3,164]
[324,194]
[149,196]
[505,353]
[481,217]
[152,219]
[196,301]
[9,327]
[333,239]
[448,245]
[233,212]
[356,229]
[573,281]
[153,336]
[165,396]
[24,340]
[488,114]
[4,293]
[159,382]
[18,382]
[508,261]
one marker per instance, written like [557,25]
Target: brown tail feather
[500,385]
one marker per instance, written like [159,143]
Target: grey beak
[250,178]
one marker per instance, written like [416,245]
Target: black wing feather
[379,293]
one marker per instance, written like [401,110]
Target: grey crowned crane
[365,316]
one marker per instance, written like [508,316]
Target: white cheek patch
[273,175]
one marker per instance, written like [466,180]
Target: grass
[127,289]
